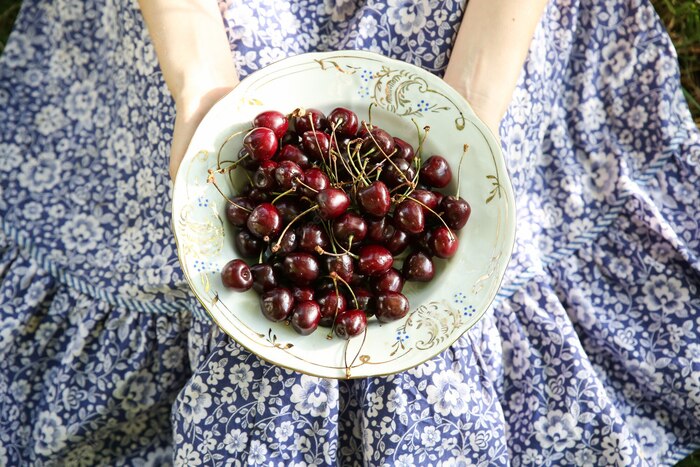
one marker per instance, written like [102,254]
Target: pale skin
[195,58]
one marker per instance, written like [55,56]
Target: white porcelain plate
[442,310]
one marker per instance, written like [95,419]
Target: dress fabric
[590,356]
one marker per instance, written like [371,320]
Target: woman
[590,356]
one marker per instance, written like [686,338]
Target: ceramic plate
[399,93]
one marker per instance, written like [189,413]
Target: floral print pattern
[589,357]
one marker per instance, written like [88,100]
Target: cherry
[344,121]
[276,304]
[302,294]
[306,316]
[398,242]
[389,281]
[246,161]
[300,268]
[290,137]
[331,303]
[246,244]
[349,227]
[426,197]
[391,306]
[332,202]
[365,300]
[288,208]
[274,120]
[261,142]
[378,145]
[294,154]
[436,172]
[312,236]
[341,265]
[264,277]
[264,221]
[264,176]
[314,179]
[237,216]
[316,144]
[380,231]
[456,212]
[289,242]
[302,123]
[404,150]
[398,173]
[424,240]
[258,195]
[418,267]
[443,243]
[236,275]
[324,285]
[350,323]
[409,217]
[288,174]
[374,199]
[374,259]
[438,196]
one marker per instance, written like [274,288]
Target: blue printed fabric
[591,355]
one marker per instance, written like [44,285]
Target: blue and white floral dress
[590,357]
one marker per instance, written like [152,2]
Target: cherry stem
[459,169]
[284,193]
[337,308]
[211,179]
[298,180]
[319,249]
[334,275]
[436,214]
[277,246]
[229,138]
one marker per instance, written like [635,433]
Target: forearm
[489,53]
[192,48]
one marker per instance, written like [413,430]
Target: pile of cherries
[331,202]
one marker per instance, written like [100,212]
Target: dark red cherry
[264,176]
[381,230]
[274,120]
[341,265]
[350,323]
[302,294]
[443,243]
[398,173]
[332,303]
[391,306]
[456,212]
[332,202]
[424,240]
[344,121]
[404,150]
[301,268]
[246,161]
[276,304]
[294,154]
[237,216]
[236,275]
[311,236]
[247,244]
[306,316]
[365,300]
[374,199]
[374,259]
[264,221]
[314,181]
[389,281]
[324,285]
[428,198]
[316,144]
[264,277]
[288,175]
[398,242]
[311,120]
[289,208]
[378,145]
[349,228]
[261,142]
[436,172]
[259,196]
[290,137]
[409,217]
[418,267]
[289,242]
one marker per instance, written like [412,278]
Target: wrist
[199,99]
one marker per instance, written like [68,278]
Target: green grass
[682,19]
